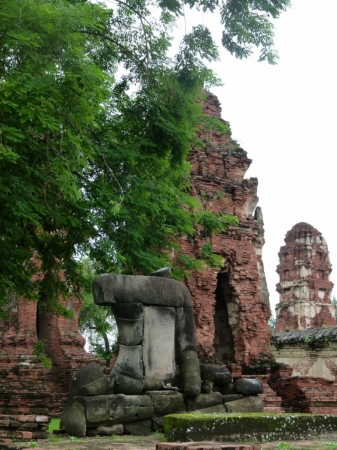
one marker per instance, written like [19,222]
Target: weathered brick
[304,286]
[231,306]
[28,387]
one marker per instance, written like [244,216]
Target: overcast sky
[284,116]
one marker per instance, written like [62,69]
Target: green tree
[96,323]
[272,324]
[92,163]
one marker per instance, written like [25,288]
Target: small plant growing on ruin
[40,355]
[308,339]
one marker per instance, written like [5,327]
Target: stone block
[99,387]
[232,397]
[113,430]
[203,401]
[142,428]
[85,375]
[110,289]
[226,390]
[248,386]
[129,318]
[159,342]
[116,408]
[75,424]
[220,375]
[97,409]
[157,423]
[218,409]
[137,408]
[248,403]
[167,402]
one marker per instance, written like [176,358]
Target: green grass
[54,425]
[322,446]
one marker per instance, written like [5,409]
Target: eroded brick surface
[232,305]
[28,388]
[304,287]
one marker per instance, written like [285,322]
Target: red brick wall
[218,181]
[27,386]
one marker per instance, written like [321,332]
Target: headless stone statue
[157,370]
[156,332]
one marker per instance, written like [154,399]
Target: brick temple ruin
[231,305]
[304,287]
[305,341]
[27,387]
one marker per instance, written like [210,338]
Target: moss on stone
[242,427]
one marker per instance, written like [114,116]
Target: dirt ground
[149,443]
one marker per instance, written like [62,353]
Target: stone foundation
[306,378]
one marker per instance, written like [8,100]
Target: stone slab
[159,342]
[243,427]
[109,289]
[248,403]
[137,408]
[203,401]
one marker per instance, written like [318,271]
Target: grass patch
[54,424]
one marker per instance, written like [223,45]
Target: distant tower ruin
[304,286]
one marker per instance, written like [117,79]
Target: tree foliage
[96,323]
[95,124]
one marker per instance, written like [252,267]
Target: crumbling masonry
[231,306]
[304,287]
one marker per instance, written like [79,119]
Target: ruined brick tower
[304,285]
[231,306]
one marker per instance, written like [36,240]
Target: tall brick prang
[304,287]
[231,306]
